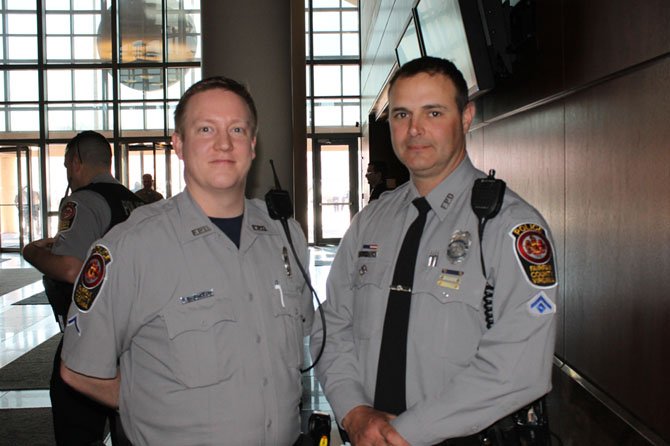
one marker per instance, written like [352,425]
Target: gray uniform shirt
[84,217]
[210,338]
[461,377]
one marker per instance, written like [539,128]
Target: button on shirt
[196,350]
[461,377]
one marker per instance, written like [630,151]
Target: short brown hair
[211,83]
[433,66]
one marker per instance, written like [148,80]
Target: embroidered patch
[200,230]
[91,278]
[535,254]
[66,217]
[259,228]
[541,305]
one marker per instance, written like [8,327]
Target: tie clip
[400,288]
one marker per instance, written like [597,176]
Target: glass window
[59,85]
[182,36]
[326,21]
[350,80]
[93,117]
[327,112]
[2,85]
[85,48]
[179,79]
[351,112]
[141,116]
[92,85]
[317,4]
[24,118]
[58,24]
[86,23]
[22,49]
[350,21]
[350,45]
[23,85]
[22,5]
[55,5]
[141,31]
[327,45]
[25,24]
[327,80]
[58,49]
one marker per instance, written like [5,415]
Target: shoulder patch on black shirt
[91,278]
[66,217]
[535,254]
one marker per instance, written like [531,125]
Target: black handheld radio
[487,198]
[278,200]
[280,207]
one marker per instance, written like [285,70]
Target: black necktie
[390,389]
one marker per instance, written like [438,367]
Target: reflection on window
[80,93]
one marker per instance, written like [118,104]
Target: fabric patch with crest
[67,215]
[534,254]
[92,278]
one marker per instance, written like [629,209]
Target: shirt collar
[458,182]
[195,224]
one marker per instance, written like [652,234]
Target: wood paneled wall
[582,131]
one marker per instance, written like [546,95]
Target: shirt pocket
[448,322]
[370,297]
[201,338]
[287,309]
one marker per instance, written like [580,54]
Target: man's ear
[468,116]
[253,148]
[177,145]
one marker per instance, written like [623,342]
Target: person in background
[148,194]
[198,298]
[97,203]
[376,176]
[433,335]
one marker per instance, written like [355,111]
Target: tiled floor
[23,327]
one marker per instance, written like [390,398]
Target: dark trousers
[78,420]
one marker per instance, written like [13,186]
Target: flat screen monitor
[453,30]
[409,47]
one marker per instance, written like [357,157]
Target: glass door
[20,198]
[157,159]
[334,184]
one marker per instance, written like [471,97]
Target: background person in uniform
[97,203]
[148,194]
[198,296]
[376,176]
[459,375]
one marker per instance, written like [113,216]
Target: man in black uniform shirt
[97,203]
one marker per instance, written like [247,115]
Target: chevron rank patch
[534,254]
[66,217]
[91,278]
[541,305]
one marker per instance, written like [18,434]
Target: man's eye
[400,115]
[435,114]
[205,129]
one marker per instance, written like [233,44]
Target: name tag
[196,297]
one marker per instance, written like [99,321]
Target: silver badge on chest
[458,246]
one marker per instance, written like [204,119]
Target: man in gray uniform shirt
[97,203]
[198,296]
[461,377]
